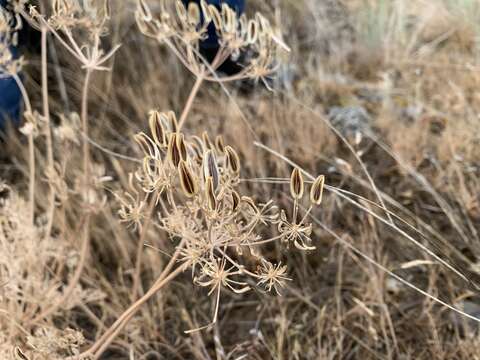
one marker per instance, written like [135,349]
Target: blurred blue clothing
[212,41]
[10,95]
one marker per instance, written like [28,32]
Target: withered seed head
[316,192]
[187,181]
[157,129]
[232,159]
[173,154]
[296,184]
[210,194]
[210,168]
[182,147]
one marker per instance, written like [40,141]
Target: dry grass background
[412,67]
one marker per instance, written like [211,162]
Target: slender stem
[191,97]
[48,134]
[141,241]
[136,306]
[125,317]
[86,225]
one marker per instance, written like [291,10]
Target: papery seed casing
[173,154]
[296,184]
[316,192]
[210,194]
[157,129]
[187,181]
[233,160]
[210,168]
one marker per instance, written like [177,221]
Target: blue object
[10,95]
[212,41]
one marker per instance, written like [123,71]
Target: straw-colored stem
[48,134]
[140,245]
[125,317]
[191,98]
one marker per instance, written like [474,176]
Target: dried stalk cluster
[194,181]
[183,28]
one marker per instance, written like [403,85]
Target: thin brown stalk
[48,134]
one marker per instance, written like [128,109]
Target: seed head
[210,194]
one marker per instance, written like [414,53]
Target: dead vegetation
[118,222]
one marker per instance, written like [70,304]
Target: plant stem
[48,134]
[120,323]
[191,98]
[138,263]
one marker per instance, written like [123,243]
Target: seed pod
[157,129]
[296,184]
[252,33]
[233,160]
[19,354]
[219,144]
[249,201]
[145,144]
[205,12]
[316,192]
[210,168]
[215,16]
[181,11]
[235,200]
[210,194]
[182,148]
[206,141]
[172,121]
[193,14]
[173,154]
[187,181]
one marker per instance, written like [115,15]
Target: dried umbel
[201,204]
[183,28]
[9,26]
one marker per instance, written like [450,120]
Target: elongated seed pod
[316,192]
[19,354]
[172,121]
[296,184]
[233,160]
[206,141]
[182,148]
[157,129]
[145,144]
[210,194]
[215,16]
[173,154]
[210,168]
[193,14]
[235,200]
[205,12]
[219,144]
[187,181]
